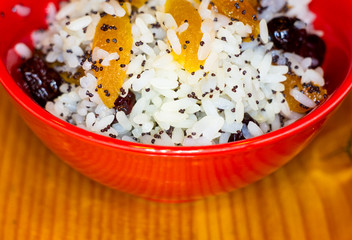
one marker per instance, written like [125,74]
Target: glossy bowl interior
[178,173]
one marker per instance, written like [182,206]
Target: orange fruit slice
[241,10]
[114,35]
[190,39]
[69,77]
[315,93]
[254,3]
[72,77]
[137,3]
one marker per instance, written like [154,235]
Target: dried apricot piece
[72,77]
[114,35]
[316,93]
[190,39]
[137,3]
[254,3]
[241,10]
[69,77]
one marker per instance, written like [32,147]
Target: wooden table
[41,198]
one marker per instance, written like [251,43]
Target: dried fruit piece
[72,77]
[114,35]
[138,3]
[315,48]
[255,3]
[190,39]
[135,3]
[40,80]
[315,93]
[284,34]
[67,76]
[125,104]
[287,36]
[239,134]
[236,136]
[241,10]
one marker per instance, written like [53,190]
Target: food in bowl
[182,73]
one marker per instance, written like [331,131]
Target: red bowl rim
[307,121]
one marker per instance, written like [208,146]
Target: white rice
[182,28]
[174,41]
[300,97]
[21,10]
[112,7]
[79,23]
[264,34]
[23,50]
[175,107]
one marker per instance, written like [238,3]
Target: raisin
[125,104]
[286,35]
[236,136]
[169,131]
[248,118]
[40,80]
[239,134]
[315,48]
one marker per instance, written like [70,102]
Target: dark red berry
[236,136]
[125,104]
[313,47]
[284,34]
[248,118]
[239,134]
[41,81]
[288,36]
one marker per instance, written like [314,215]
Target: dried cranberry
[287,35]
[40,80]
[125,104]
[248,118]
[284,34]
[313,47]
[236,136]
[239,135]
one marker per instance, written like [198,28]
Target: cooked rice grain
[175,107]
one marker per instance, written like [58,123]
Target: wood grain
[41,198]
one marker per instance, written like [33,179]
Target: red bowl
[179,173]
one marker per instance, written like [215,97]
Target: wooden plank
[43,198]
